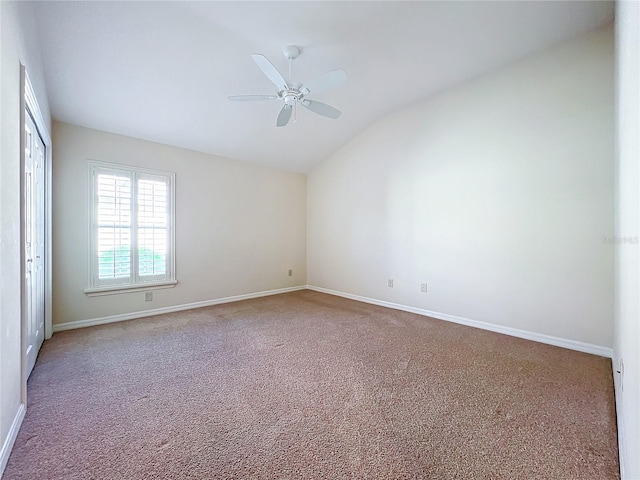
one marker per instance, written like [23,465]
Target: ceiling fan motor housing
[290,96]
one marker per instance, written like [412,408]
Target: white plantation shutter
[131,228]
[114,226]
[152,227]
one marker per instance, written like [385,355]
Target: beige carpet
[307,385]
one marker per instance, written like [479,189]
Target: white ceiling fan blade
[269,70]
[325,82]
[251,98]
[284,116]
[321,108]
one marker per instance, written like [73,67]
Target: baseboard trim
[514,332]
[620,417]
[174,308]
[7,446]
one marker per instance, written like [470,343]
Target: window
[131,229]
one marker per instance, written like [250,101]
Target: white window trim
[98,290]
[116,289]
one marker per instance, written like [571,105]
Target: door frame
[28,101]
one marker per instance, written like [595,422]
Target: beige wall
[239,227]
[497,193]
[627,305]
[18,45]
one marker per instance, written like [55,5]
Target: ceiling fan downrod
[291,53]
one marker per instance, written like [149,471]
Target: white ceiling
[162,71]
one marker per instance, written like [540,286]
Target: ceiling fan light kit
[293,94]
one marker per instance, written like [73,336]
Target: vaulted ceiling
[162,71]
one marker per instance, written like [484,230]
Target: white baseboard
[11,437]
[175,308]
[514,332]
[620,417]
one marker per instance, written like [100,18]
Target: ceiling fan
[293,94]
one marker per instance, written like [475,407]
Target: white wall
[239,227]
[18,44]
[497,193]
[627,300]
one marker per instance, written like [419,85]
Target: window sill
[117,289]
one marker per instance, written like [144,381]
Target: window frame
[133,282]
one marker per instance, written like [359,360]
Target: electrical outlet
[390,282]
[290,272]
[423,287]
[148,296]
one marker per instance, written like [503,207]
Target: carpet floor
[312,386]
